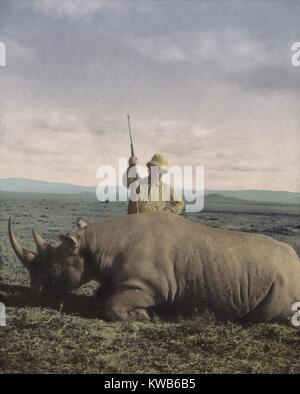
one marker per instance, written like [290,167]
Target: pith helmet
[160,161]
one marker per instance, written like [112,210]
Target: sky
[208,83]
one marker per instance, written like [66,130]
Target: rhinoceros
[150,260]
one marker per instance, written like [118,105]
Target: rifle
[132,154]
[131,142]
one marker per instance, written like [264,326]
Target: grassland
[47,334]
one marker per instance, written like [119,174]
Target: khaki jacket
[163,197]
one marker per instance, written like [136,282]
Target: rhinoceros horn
[41,244]
[25,255]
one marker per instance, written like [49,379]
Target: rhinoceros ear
[81,223]
[71,241]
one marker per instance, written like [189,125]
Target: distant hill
[35,186]
[217,196]
[260,195]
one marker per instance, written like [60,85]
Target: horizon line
[118,185]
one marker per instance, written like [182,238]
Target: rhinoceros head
[51,268]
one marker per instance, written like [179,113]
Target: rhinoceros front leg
[129,304]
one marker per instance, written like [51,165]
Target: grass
[39,340]
[46,334]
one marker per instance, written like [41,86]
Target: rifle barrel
[130,135]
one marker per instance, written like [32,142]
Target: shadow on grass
[22,296]
[88,306]
[85,306]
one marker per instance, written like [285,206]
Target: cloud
[41,132]
[207,84]
[57,122]
[63,146]
[164,49]
[47,144]
[73,8]
[19,54]
[230,156]
[234,50]
[226,54]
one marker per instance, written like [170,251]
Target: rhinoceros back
[190,264]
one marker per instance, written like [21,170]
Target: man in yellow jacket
[153,193]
